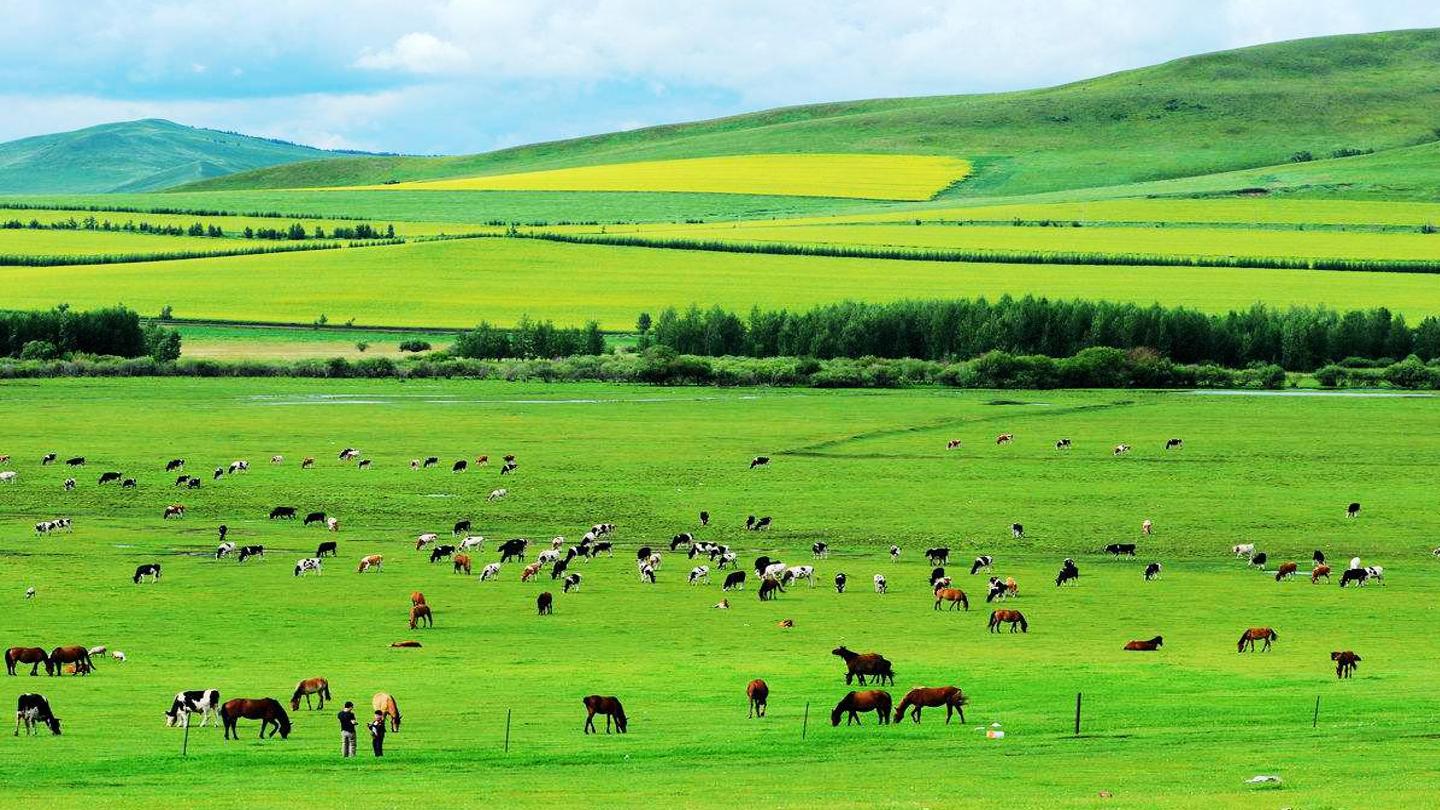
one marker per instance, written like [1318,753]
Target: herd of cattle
[773,576]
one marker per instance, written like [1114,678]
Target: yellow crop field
[878,177]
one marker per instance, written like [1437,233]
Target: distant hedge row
[997,256]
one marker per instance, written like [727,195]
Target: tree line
[529,339]
[1296,339]
[295,232]
[63,332]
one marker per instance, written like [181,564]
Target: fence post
[1316,721]
[507,731]
[1077,714]
[185,744]
[805,728]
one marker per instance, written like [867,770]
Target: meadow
[97,243]
[881,177]
[259,342]
[858,470]
[459,283]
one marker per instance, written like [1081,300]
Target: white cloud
[417,53]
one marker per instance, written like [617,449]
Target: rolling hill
[133,156]
[1213,113]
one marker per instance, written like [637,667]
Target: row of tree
[61,332]
[294,232]
[529,339]
[1297,338]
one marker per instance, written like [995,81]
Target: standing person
[377,734]
[347,730]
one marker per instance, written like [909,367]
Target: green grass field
[234,342]
[459,283]
[96,243]
[859,470]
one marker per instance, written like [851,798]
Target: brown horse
[413,644]
[876,700]
[26,655]
[759,693]
[308,687]
[954,596]
[60,656]
[1255,634]
[1014,618]
[921,696]
[1146,646]
[461,563]
[858,666]
[1346,663]
[266,710]
[421,612]
[417,598]
[608,706]
[384,703]
[1320,571]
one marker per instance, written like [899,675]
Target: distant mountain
[143,155]
[1261,106]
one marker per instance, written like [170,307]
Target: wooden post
[507,731]
[1316,721]
[805,728]
[185,745]
[1077,714]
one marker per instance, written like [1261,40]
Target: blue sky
[444,76]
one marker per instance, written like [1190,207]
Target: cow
[282,512]
[128,483]
[1017,531]
[880,583]
[461,527]
[174,464]
[1376,573]
[223,549]
[48,459]
[472,541]
[1121,449]
[983,561]
[775,569]
[1146,527]
[423,540]
[1353,510]
[277,459]
[151,570]
[32,710]
[1244,550]
[545,604]
[1286,570]
[1174,444]
[735,580]
[938,556]
[704,518]
[1062,444]
[1004,438]
[205,702]
[798,572]
[953,444]
[239,466]
[175,510]
[414,463]
[441,552]
[820,550]
[996,590]
[761,525]
[513,549]
[247,552]
[1117,549]
[681,539]
[430,461]
[364,464]
[460,466]
[482,461]
[727,558]
[497,494]
[217,474]
[759,461]
[69,484]
[571,583]
[1318,557]
[327,546]
[307,462]
[647,573]
[193,483]
[370,561]
[1356,575]
[110,477]
[490,572]
[307,564]
[840,580]
[509,467]
[349,454]
[314,517]
[1068,572]
[332,524]
[182,480]
[77,461]
[1319,571]
[1152,571]
[1259,560]
[700,573]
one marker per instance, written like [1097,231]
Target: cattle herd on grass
[773,577]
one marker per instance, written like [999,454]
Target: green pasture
[459,283]
[859,470]
[234,226]
[231,342]
[98,243]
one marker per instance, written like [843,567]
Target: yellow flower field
[878,177]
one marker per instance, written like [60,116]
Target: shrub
[39,350]
[414,346]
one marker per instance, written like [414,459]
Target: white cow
[489,572]
[425,539]
[307,564]
[497,494]
[700,573]
[224,549]
[549,556]
[8,476]
[798,572]
[1374,572]
[277,459]
[333,524]
[474,541]
[1244,550]
[776,569]
[879,583]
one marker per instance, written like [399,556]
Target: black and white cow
[513,549]
[314,517]
[461,527]
[174,464]
[983,561]
[819,549]
[840,580]
[1118,549]
[700,573]
[205,702]
[681,539]
[110,477]
[938,556]
[307,564]
[759,461]
[69,484]
[1152,571]
[894,554]
[327,547]
[32,710]
[1017,531]
[571,583]
[247,552]
[151,570]
[223,549]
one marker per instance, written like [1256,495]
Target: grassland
[857,470]
[237,342]
[879,177]
[95,243]
[233,226]
[458,283]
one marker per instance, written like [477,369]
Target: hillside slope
[143,155]
[1198,115]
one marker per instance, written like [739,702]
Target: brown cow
[1320,571]
[1285,571]
[461,563]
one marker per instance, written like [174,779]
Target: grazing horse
[384,703]
[267,710]
[1254,634]
[1146,646]
[768,587]
[35,656]
[1353,575]
[859,665]
[1346,663]
[954,596]
[1014,618]
[421,612]
[151,570]
[921,696]
[308,687]
[417,598]
[370,561]
[545,604]
[759,693]
[32,709]
[1321,570]
[608,706]
[874,700]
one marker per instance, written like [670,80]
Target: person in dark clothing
[347,729]
[377,734]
